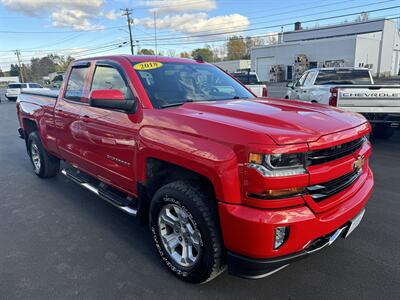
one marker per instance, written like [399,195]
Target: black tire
[202,209]
[383,131]
[49,165]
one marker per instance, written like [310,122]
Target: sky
[83,28]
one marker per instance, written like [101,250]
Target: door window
[108,78]
[309,79]
[76,83]
[300,82]
[35,86]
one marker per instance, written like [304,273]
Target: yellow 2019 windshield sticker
[148,65]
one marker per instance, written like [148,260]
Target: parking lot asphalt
[58,241]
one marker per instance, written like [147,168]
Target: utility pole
[21,72]
[127,13]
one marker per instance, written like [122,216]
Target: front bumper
[248,232]
[258,268]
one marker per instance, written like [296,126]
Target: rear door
[69,110]
[109,146]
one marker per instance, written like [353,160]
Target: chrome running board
[101,193]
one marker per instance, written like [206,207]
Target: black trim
[125,105]
[325,190]
[21,133]
[251,268]
[317,157]
[254,268]
[81,64]
[143,203]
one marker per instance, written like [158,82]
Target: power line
[219,40]
[173,37]
[261,35]
[291,11]
[276,26]
[60,32]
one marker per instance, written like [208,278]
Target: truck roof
[143,58]
[337,68]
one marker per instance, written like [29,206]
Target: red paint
[212,139]
[107,95]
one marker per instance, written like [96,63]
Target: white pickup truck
[251,81]
[352,89]
[14,89]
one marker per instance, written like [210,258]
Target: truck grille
[325,155]
[322,191]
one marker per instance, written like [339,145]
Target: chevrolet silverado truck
[223,178]
[352,89]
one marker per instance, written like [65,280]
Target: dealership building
[374,44]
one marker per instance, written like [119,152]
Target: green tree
[252,42]
[184,55]
[205,53]
[236,47]
[63,62]
[14,70]
[1,73]
[145,51]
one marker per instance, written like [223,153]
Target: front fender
[215,161]
[321,96]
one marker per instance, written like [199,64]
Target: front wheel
[183,222]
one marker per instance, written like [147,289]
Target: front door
[109,149]
[297,92]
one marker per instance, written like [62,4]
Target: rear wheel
[383,131]
[185,231]
[44,165]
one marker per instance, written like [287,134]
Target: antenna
[155,33]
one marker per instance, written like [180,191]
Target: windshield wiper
[176,103]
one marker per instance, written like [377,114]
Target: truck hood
[284,121]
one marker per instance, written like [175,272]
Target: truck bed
[49,94]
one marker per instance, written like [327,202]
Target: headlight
[274,165]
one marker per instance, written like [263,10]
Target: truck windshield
[343,77]
[171,84]
[246,78]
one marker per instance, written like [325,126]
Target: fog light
[281,236]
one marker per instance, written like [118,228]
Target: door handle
[304,91]
[85,118]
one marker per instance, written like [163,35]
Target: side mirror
[290,84]
[111,99]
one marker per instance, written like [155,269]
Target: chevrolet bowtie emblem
[359,163]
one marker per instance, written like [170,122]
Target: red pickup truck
[224,179]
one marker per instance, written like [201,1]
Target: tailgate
[256,89]
[370,98]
